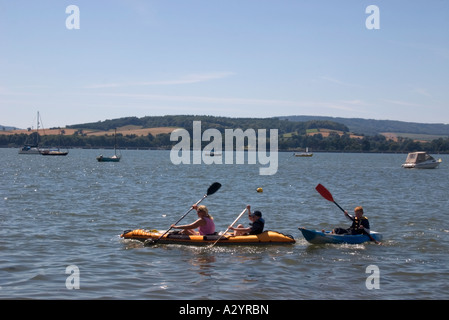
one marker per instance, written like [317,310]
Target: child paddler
[360,223]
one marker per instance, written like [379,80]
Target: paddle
[211,190]
[235,221]
[328,196]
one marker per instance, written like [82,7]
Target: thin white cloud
[202,99]
[354,102]
[402,103]
[348,106]
[423,92]
[188,79]
[439,51]
[339,82]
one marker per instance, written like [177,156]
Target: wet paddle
[328,196]
[235,221]
[211,190]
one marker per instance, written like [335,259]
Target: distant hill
[360,126]
[368,127]
[220,123]
[7,128]
[373,127]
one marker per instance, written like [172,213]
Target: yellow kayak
[264,238]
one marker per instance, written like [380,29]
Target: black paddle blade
[324,192]
[213,188]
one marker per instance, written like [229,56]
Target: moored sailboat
[116,157]
[54,151]
[33,147]
[303,154]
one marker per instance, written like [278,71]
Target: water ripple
[58,212]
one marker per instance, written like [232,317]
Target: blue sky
[236,58]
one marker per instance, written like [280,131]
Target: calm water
[62,211]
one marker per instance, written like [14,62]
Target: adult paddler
[204,223]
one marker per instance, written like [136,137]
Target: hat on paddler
[257,213]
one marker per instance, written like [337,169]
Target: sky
[233,58]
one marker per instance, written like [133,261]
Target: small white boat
[213,154]
[29,149]
[303,154]
[420,160]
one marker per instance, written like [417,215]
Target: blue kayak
[319,237]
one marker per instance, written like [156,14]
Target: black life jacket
[356,222]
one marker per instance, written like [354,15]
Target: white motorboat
[29,149]
[421,160]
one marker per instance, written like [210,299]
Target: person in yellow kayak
[360,223]
[204,223]
[256,226]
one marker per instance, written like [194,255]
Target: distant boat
[29,149]
[32,148]
[420,160]
[54,151]
[303,154]
[213,154]
[116,157]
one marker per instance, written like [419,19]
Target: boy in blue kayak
[360,223]
[257,224]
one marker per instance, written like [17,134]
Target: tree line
[332,143]
[377,143]
[292,135]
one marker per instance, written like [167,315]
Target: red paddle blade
[324,192]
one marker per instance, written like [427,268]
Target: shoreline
[283,151]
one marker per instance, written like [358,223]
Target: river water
[62,217]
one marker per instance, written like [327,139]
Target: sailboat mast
[37,130]
[115,141]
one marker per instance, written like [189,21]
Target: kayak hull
[319,237]
[265,238]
